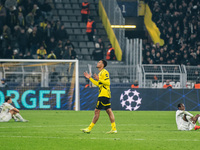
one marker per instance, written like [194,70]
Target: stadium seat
[92,6]
[70,12]
[64,18]
[70,31]
[67,25]
[82,68]
[80,38]
[83,25]
[115,80]
[75,44]
[66,1]
[58,1]
[90,44]
[80,57]
[54,12]
[99,25]
[72,18]
[93,13]
[82,44]
[73,37]
[124,80]
[75,1]
[95,1]
[77,31]
[59,6]
[78,52]
[85,36]
[56,18]
[77,12]
[97,19]
[82,79]
[101,31]
[75,25]
[84,51]
[61,12]
[90,1]
[90,50]
[83,31]
[78,18]
[75,6]
[67,6]
[87,57]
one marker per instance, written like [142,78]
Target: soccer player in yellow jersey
[102,80]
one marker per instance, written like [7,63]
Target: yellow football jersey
[103,83]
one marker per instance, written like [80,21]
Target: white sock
[14,117]
[19,116]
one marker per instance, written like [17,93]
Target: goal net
[41,84]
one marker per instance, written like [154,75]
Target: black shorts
[103,102]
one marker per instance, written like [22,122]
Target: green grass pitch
[57,130]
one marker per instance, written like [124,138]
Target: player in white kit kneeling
[185,120]
[7,112]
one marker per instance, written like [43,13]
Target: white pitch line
[52,137]
[194,140]
[36,126]
[96,138]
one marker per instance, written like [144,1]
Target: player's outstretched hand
[96,77]
[87,75]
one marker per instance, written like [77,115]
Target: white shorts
[186,126]
[6,117]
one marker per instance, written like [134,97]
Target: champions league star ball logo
[130,100]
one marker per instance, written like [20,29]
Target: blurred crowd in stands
[27,29]
[24,28]
[179,24]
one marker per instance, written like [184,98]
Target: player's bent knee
[108,110]
[97,111]
[197,116]
[12,112]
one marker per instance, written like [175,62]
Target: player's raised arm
[88,76]
[187,113]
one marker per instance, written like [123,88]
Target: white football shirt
[5,108]
[179,119]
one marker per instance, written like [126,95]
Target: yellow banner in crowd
[110,32]
[153,30]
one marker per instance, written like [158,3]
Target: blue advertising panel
[144,99]
[122,98]
[39,98]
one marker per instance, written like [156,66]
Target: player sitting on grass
[8,112]
[185,120]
